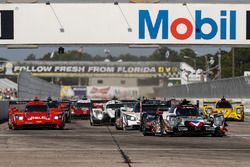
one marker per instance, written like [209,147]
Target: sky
[20,54]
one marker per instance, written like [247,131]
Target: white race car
[110,107]
[126,118]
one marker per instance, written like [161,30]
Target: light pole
[167,54]
[209,62]
[233,64]
[219,63]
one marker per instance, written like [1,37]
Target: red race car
[81,109]
[35,114]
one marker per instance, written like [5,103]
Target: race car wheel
[91,122]
[162,132]
[10,127]
[68,119]
[124,128]
[9,124]
[14,127]
[217,133]
[117,128]
[144,131]
[61,127]
[242,119]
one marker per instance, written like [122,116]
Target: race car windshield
[150,108]
[146,108]
[84,105]
[53,104]
[187,112]
[151,117]
[115,106]
[36,108]
[223,104]
[131,105]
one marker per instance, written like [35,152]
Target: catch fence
[238,87]
[30,87]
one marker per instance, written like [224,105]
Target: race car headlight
[57,117]
[20,118]
[98,115]
[209,110]
[218,120]
[238,111]
[130,118]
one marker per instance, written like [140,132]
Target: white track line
[125,149]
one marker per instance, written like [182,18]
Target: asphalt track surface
[102,146]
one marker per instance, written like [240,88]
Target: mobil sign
[195,24]
[183,28]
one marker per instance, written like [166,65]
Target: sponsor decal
[196,123]
[37,117]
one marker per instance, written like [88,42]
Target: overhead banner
[93,69]
[125,23]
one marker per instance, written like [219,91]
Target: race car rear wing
[209,103]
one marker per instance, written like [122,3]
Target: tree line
[242,59]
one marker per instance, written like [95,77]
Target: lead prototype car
[186,119]
[35,114]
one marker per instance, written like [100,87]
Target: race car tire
[217,133]
[144,131]
[68,119]
[10,127]
[117,128]
[9,124]
[91,122]
[162,133]
[60,128]
[124,128]
[242,119]
[14,127]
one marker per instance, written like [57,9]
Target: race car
[149,115]
[126,118]
[97,114]
[110,107]
[64,106]
[231,111]
[34,114]
[81,109]
[187,119]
